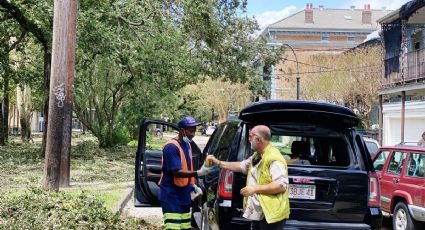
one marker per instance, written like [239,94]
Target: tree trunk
[65,157]
[2,141]
[25,129]
[6,105]
[24,102]
[60,101]
[46,87]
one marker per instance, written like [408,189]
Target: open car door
[153,134]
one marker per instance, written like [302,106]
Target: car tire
[402,220]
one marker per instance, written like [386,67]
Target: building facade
[402,96]
[314,31]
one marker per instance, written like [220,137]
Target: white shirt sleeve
[245,165]
[278,173]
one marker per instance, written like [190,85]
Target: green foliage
[155,143]
[353,83]
[90,163]
[118,136]
[18,155]
[133,143]
[22,165]
[219,96]
[86,150]
[134,56]
[38,209]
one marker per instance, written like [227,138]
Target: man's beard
[253,145]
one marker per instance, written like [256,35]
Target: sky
[270,11]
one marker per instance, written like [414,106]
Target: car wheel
[402,219]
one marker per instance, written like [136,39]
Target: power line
[318,66]
[312,49]
[325,67]
[354,69]
[330,71]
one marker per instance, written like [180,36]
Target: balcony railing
[413,68]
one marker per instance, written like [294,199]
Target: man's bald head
[263,132]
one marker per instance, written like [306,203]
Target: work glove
[204,170]
[195,192]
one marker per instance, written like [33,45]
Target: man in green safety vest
[266,199]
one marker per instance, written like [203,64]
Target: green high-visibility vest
[276,206]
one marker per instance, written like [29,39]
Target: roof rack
[409,143]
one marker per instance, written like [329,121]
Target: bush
[14,156]
[85,150]
[119,136]
[133,143]
[38,209]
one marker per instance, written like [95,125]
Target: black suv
[335,187]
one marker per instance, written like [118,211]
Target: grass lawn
[105,173]
[110,194]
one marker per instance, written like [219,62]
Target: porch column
[403,108]
[380,121]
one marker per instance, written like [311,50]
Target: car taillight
[374,191]
[225,186]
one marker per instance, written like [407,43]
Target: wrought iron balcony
[412,65]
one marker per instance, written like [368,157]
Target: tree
[25,111]
[157,46]
[222,96]
[353,80]
[12,37]
[35,17]
[133,51]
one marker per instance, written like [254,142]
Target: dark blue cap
[188,122]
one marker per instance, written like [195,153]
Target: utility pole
[298,70]
[57,161]
[296,60]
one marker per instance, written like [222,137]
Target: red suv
[401,173]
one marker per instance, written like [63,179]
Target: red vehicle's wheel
[402,220]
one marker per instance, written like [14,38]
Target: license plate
[302,191]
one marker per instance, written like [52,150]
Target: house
[315,31]
[402,96]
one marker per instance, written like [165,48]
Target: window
[396,163]
[416,165]
[313,150]
[155,139]
[325,37]
[222,139]
[380,160]
[351,39]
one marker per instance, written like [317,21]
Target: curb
[124,200]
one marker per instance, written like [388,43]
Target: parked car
[337,189]
[210,130]
[371,145]
[401,172]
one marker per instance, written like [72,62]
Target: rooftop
[334,19]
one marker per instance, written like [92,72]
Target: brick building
[315,31]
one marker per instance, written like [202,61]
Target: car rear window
[313,150]
[416,165]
